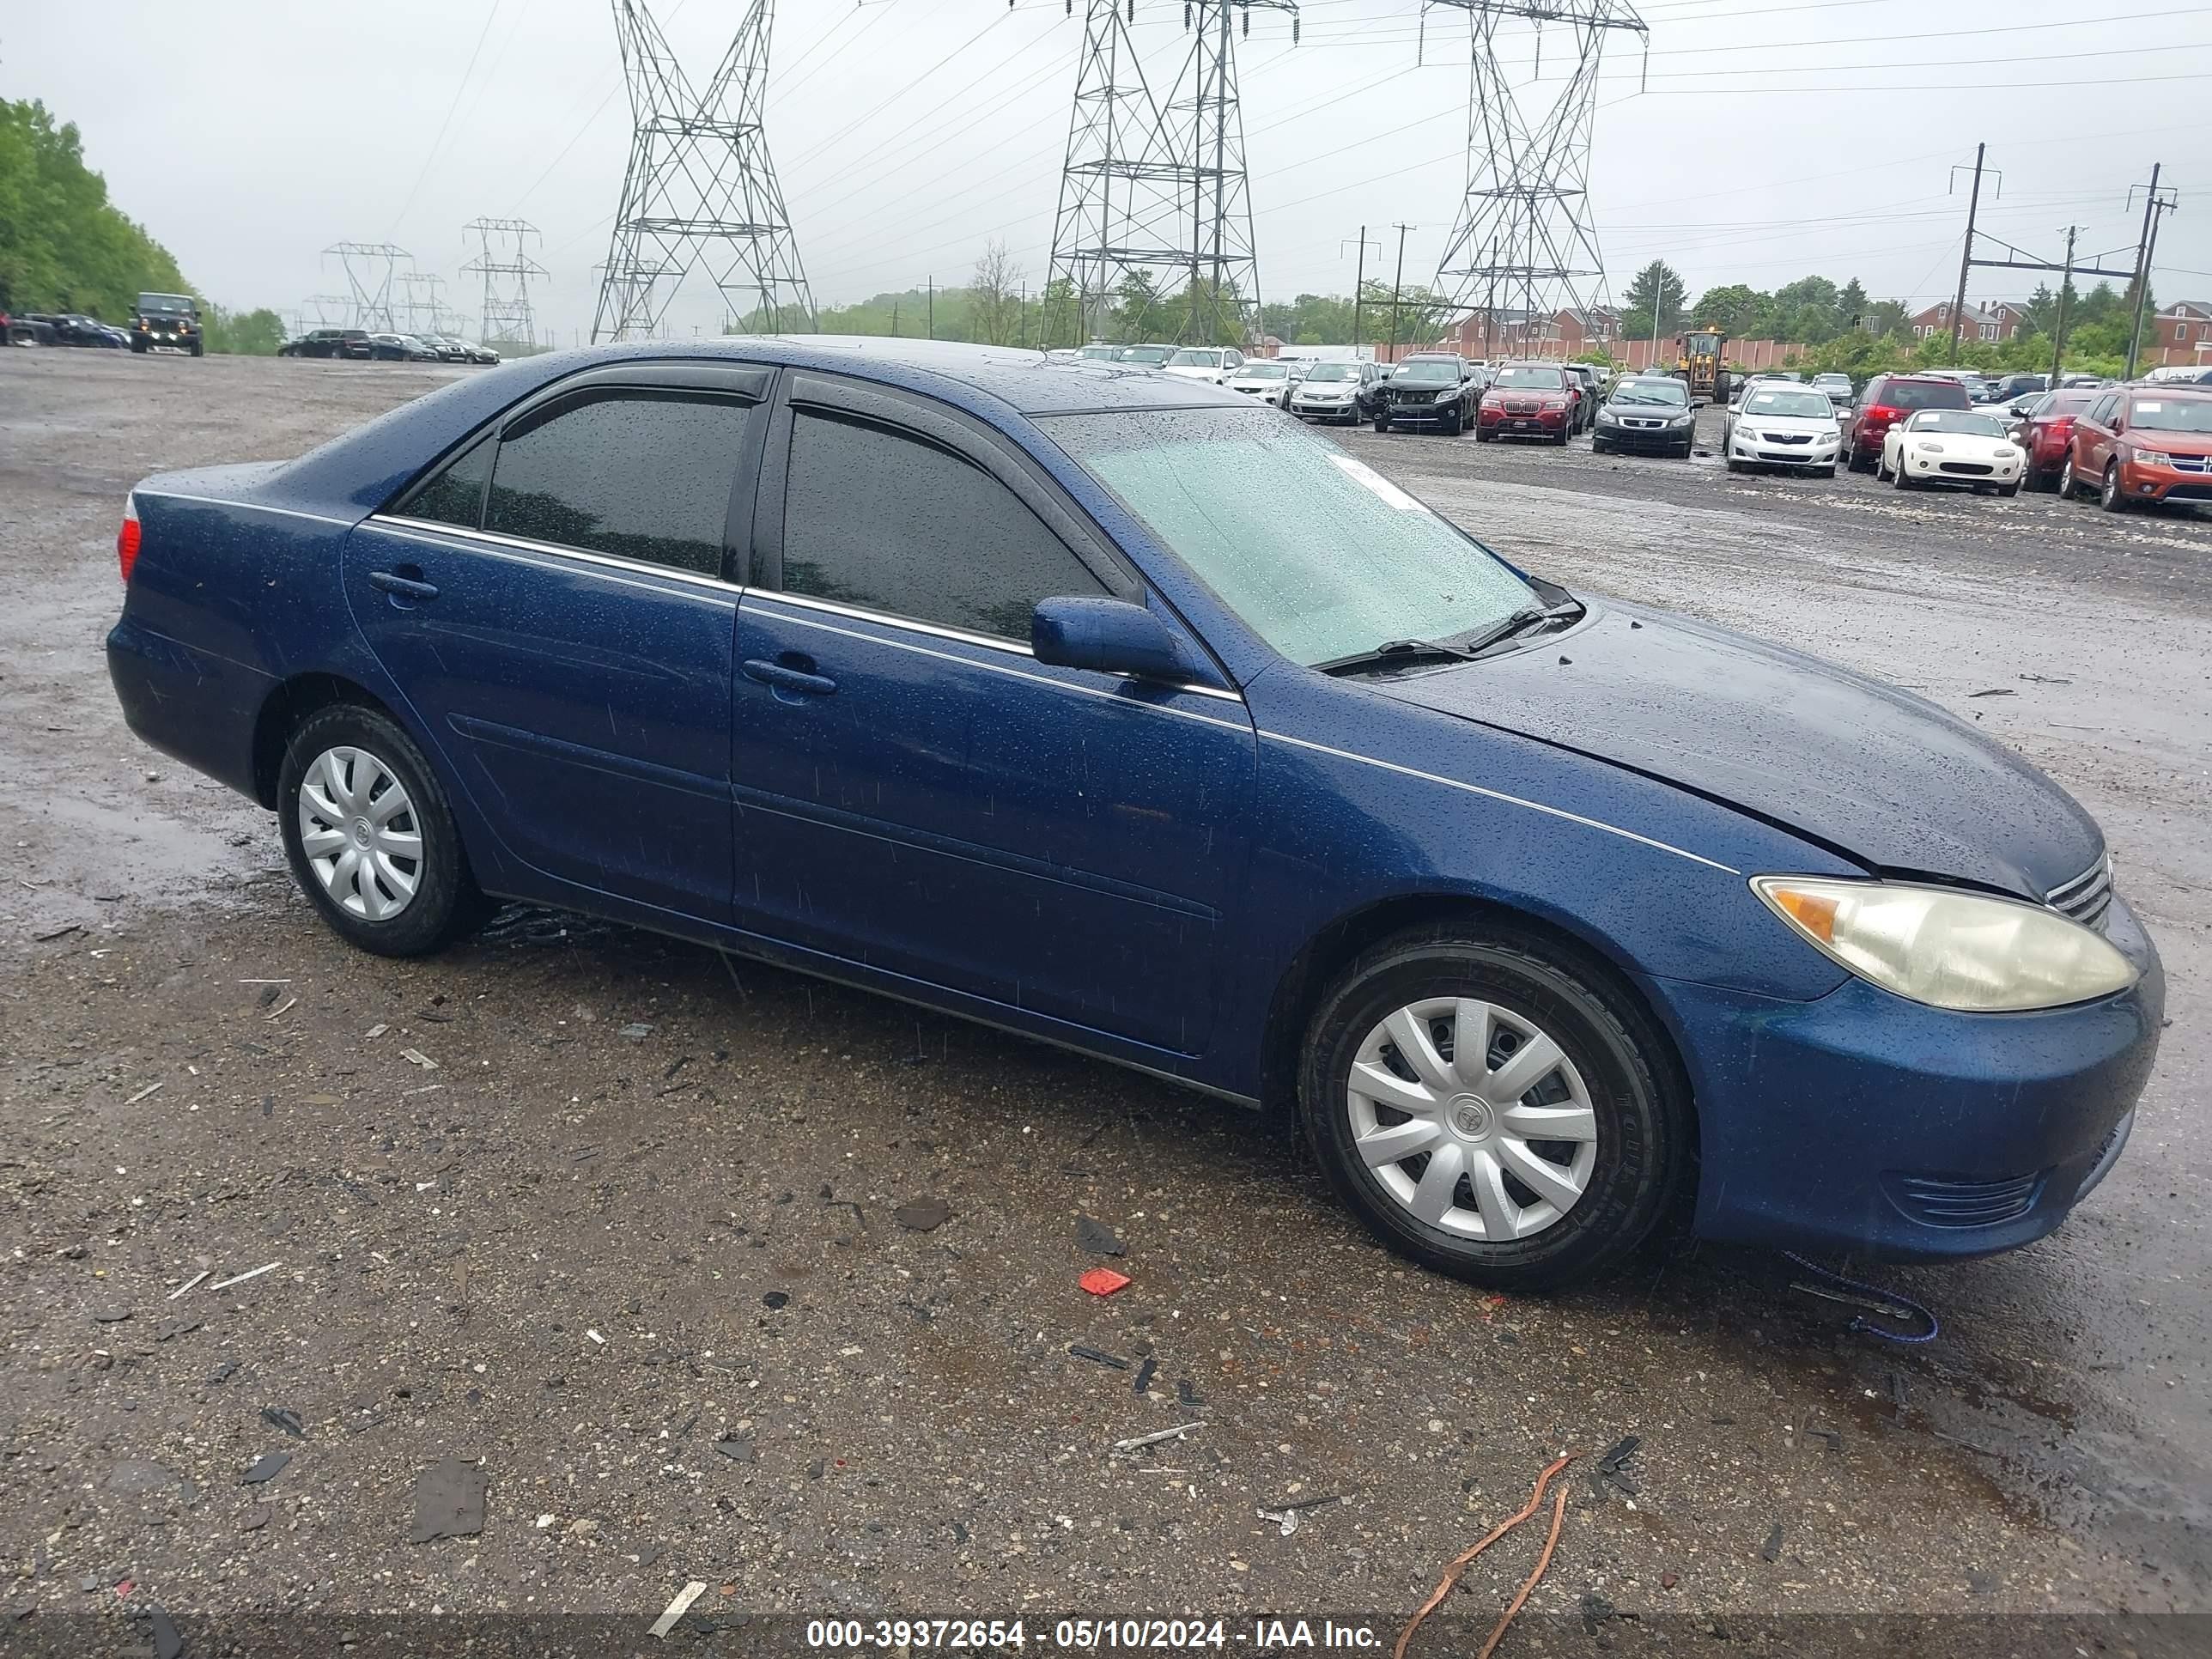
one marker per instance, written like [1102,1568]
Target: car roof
[2183,389]
[1023,379]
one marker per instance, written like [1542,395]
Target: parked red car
[1887,399]
[1527,400]
[2139,444]
[2046,432]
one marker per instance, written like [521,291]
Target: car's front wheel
[1492,1110]
[2111,496]
[370,838]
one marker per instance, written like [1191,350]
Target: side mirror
[1112,636]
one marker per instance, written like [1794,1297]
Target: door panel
[1059,841]
[586,709]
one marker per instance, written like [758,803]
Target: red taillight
[1883,414]
[126,538]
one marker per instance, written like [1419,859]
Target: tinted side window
[876,519]
[455,495]
[644,475]
[2101,413]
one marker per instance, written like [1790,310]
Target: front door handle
[778,678]
[402,586]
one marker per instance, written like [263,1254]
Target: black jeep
[166,322]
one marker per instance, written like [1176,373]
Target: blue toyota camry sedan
[1111,709]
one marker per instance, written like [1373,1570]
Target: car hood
[1875,774]
[2171,443]
[1788,422]
[1962,443]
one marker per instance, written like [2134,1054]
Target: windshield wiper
[1519,622]
[1393,653]
[1390,653]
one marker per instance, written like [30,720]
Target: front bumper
[1945,469]
[1659,438]
[1422,414]
[1348,409]
[1540,423]
[1754,451]
[1865,1124]
[2140,483]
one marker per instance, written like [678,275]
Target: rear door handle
[775,675]
[405,587]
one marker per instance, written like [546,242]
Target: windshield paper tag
[1390,494]
[2149,408]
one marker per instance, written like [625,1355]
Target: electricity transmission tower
[419,301]
[506,266]
[1524,237]
[1154,192]
[700,191]
[371,268]
[330,311]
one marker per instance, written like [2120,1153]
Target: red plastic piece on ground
[1102,1282]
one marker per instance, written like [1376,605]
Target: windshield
[1775,401]
[1832,379]
[1549,380]
[1321,556]
[1098,354]
[164,302]
[1672,394]
[2172,415]
[1428,371]
[1333,372]
[1193,357]
[1265,371]
[1154,354]
[1959,421]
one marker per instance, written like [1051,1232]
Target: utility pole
[1966,259]
[895,306]
[1358,281]
[933,307]
[2058,329]
[2156,202]
[1397,288]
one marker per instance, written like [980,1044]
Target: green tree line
[65,247]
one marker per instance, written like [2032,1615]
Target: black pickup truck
[166,322]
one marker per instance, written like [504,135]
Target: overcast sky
[1770,140]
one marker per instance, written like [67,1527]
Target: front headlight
[1924,448]
[1684,418]
[1949,949]
[2153,458]
[1607,418]
[1450,395]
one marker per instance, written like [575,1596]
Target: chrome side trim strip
[612,562]
[1511,801]
[939,630]
[248,506]
[1016,673]
[539,558]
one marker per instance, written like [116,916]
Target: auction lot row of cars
[171,323]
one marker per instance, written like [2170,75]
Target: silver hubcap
[1472,1118]
[359,833]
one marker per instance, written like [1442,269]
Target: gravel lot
[625,1235]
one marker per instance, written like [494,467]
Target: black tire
[138,347]
[1382,422]
[1898,477]
[2068,484]
[198,349]
[1644,1128]
[1683,453]
[1827,471]
[2009,491]
[1861,461]
[447,903]
[2109,495]
[1734,465]
[1599,447]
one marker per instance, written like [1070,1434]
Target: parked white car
[1962,447]
[1212,363]
[1269,378]
[1781,424]
[1334,391]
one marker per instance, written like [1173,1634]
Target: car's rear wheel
[369,835]
[2111,496]
[1492,1110]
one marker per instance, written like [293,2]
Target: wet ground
[618,1220]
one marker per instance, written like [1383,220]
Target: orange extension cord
[1459,1566]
